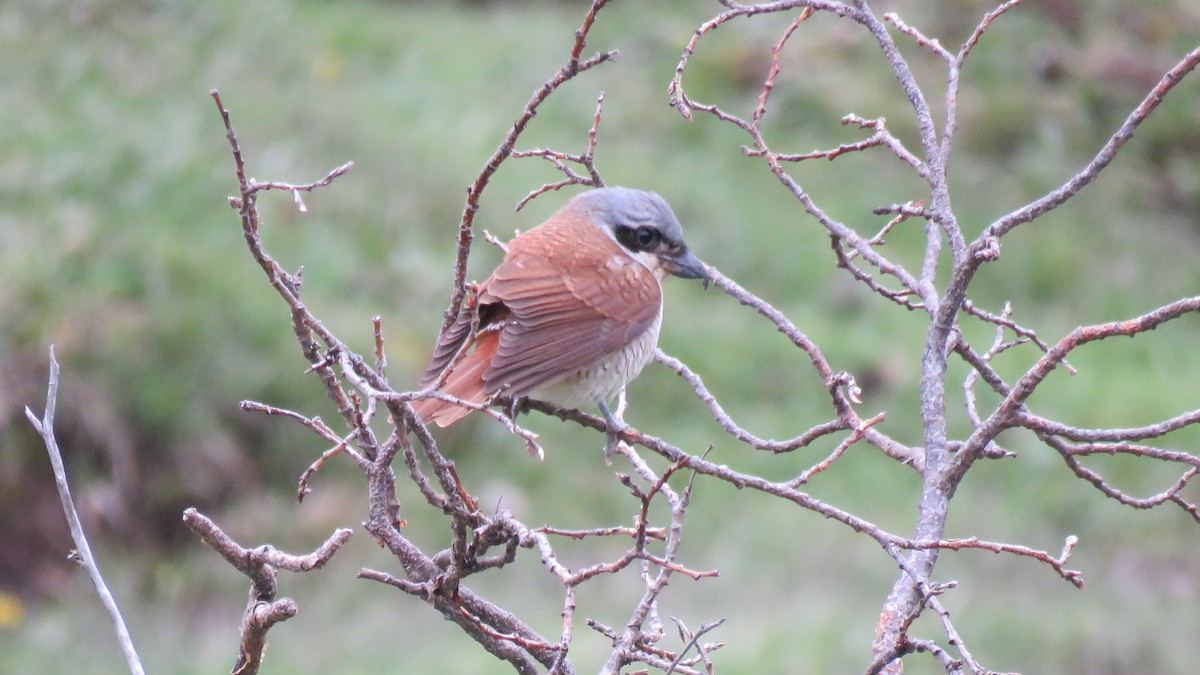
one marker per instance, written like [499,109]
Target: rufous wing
[573,296]
[565,296]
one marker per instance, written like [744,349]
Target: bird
[570,316]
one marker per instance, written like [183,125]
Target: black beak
[685,265]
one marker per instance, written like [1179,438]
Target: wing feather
[574,296]
[565,296]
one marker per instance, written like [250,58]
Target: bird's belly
[602,380]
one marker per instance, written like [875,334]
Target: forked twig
[259,564]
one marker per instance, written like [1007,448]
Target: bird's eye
[642,238]
[646,237]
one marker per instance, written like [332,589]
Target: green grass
[117,245]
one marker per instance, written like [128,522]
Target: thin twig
[586,159]
[83,551]
[1012,404]
[573,67]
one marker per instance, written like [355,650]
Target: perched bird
[571,315]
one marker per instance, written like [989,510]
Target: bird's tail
[465,382]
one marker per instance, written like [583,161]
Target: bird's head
[644,225]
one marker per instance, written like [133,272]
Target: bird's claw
[614,427]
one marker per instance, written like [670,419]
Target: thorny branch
[481,541]
[357,388]
[941,470]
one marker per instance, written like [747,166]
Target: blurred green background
[117,245]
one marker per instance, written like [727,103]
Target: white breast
[602,380]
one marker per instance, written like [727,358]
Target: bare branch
[83,550]
[773,72]
[573,67]
[1003,320]
[983,26]
[693,640]
[932,44]
[1058,564]
[478,541]
[1092,436]
[586,159]
[982,249]
[731,427]
[263,611]
[841,448]
[1011,405]
[847,417]
[256,186]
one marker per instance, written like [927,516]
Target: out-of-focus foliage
[117,245]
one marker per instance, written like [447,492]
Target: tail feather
[465,381]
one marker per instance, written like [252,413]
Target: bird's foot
[612,439]
[612,433]
[516,406]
